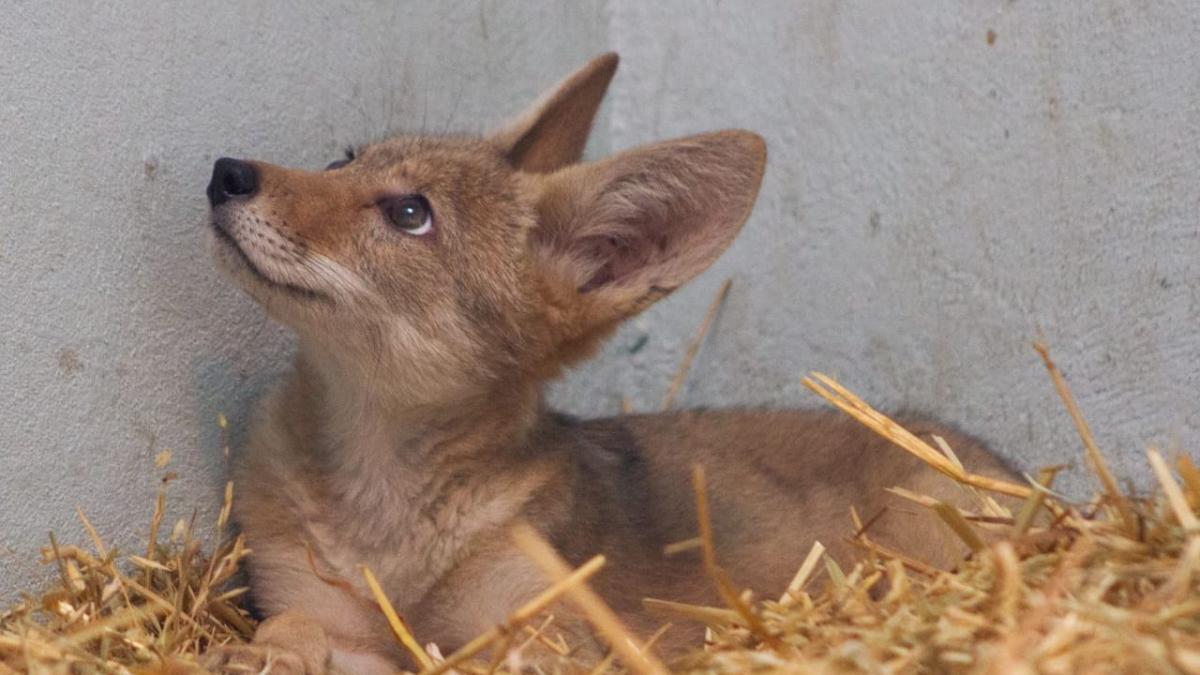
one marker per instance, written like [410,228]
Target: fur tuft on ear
[616,235]
[553,131]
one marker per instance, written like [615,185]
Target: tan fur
[411,433]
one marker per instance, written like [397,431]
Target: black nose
[232,179]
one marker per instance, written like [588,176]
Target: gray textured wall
[932,199]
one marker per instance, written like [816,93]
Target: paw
[254,659]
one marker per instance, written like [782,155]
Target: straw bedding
[1108,585]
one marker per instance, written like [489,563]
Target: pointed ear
[552,132]
[616,235]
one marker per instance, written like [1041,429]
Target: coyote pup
[435,284]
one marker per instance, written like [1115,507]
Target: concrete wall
[942,183]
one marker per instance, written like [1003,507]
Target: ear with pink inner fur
[618,234]
[553,131]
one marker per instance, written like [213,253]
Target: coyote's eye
[410,213]
[337,164]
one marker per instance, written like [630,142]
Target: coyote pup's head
[446,266]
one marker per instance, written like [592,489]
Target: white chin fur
[268,260]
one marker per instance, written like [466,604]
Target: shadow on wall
[223,389]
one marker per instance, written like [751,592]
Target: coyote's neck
[425,480]
[366,436]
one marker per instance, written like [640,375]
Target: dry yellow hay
[149,613]
[1110,585]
